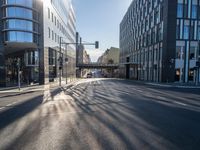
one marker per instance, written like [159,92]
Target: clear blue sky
[99,20]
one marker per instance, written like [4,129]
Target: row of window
[62,6]
[139,14]
[20,12]
[56,22]
[188,9]
[20,25]
[52,35]
[28,3]
[181,50]
[18,36]
[32,58]
[141,28]
[187,30]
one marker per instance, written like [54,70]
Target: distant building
[31,31]
[83,58]
[159,40]
[110,56]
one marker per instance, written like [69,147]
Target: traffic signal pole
[61,59]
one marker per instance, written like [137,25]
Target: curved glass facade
[19,24]
[28,3]
[19,12]
[18,36]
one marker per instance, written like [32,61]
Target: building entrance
[28,74]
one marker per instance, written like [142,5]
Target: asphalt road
[101,114]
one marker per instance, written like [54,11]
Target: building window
[32,58]
[186,32]
[52,35]
[198,32]
[28,3]
[52,17]
[48,13]
[192,31]
[180,10]
[177,30]
[57,24]
[192,52]
[55,20]
[49,32]
[55,37]
[185,10]
[194,9]
[19,12]
[178,52]
[17,36]
[52,57]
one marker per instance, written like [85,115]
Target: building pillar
[2,70]
[44,66]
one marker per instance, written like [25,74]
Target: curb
[35,88]
[175,86]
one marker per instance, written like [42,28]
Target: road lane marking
[2,108]
[179,103]
[160,97]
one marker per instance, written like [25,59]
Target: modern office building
[32,32]
[159,41]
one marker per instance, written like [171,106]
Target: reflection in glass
[180,10]
[16,36]
[19,24]
[28,3]
[19,12]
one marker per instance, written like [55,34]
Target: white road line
[8,105]
[179,103]
[2,108]
[160,97]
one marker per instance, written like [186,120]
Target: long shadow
[18,111]
[11,114]
[141,84]
[178,125]
[16,94]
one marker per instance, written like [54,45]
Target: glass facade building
[159,40]
[31,32]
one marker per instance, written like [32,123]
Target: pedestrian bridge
[98,66]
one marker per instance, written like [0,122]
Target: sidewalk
[34,88]
[172,85]
[177,85]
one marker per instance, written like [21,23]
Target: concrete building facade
[32,32]
[109,56]
[159,41]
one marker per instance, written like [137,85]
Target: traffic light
[97,44]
